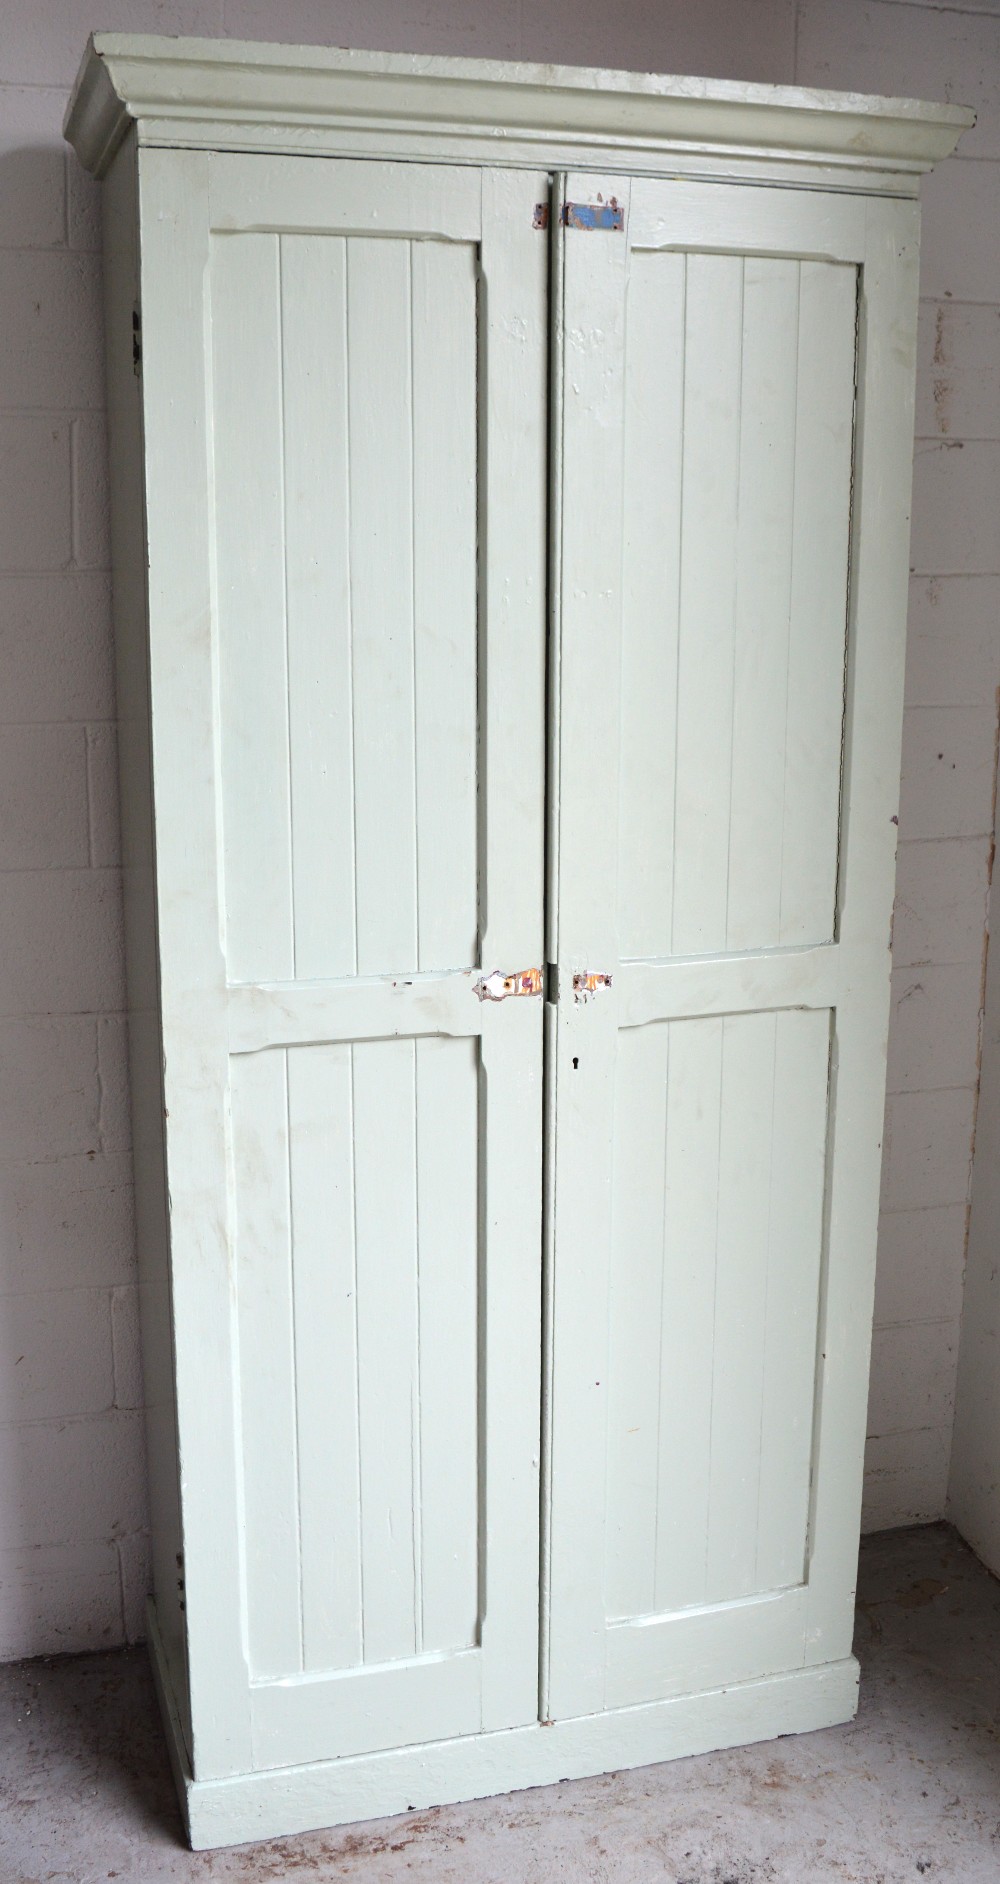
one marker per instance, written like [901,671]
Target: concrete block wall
[974,1478]
[72,1497]
[949,742]
[72,1482]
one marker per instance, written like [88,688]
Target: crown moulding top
[203,92]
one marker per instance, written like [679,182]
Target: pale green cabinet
[511,476]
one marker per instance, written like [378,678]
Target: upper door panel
[344,394]
[739,405]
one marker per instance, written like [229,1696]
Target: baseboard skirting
[290,1799]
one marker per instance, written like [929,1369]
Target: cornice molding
[206,92]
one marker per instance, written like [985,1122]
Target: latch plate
[593,215]
[500,987]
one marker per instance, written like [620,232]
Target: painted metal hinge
[593,215]
[498,987]
[586,986]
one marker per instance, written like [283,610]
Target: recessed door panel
[717,1221]
[357,1280]
[738,426]
[346,490]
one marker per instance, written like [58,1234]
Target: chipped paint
[498,987]
[585,986]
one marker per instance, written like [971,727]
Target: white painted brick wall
[72,1518]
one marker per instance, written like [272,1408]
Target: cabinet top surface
[208,93]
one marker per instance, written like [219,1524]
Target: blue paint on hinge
[593,215]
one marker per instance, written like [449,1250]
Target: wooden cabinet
[511,478]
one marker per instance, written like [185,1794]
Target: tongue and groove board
[348,650]
[738,433]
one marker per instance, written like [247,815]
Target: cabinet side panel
[128,548]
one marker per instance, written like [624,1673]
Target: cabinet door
[735,430]
[345,417]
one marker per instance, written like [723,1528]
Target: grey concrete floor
[911,1789]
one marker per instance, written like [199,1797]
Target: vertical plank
[267,1362]
[314,338]
[326,1373]
[513,333]
[823,447]
[594,283]
[887,310]
[592,493]
[654,443]
[713,329]
[178,426]
[798,1159]
[250,559]
[381,554]
[445,612]
[763,596]
[635,1317]
[447,1082]
[386,1220]
[744,1185]
[690,1236]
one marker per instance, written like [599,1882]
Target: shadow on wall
[72,1546]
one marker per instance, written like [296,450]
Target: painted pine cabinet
[511,473]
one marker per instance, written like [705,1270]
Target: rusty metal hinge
[498,987]
[540,219]
[586,986]
[597,215]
